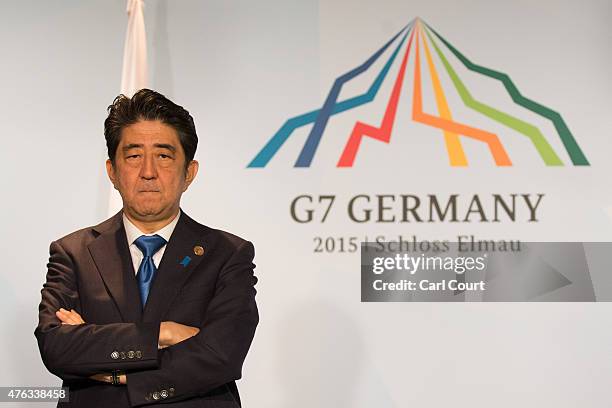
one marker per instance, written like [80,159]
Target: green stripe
[576,155]
[533,133]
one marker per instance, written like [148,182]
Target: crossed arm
[170,333]
[170,355]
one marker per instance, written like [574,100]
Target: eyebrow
[165,146]
[131,146]
[159,145]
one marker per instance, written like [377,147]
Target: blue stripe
[330,107]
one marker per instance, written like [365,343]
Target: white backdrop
[242,68]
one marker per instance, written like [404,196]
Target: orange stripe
[450,128]
[453,144]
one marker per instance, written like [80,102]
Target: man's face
[149,170]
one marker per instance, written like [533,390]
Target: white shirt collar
[132,232]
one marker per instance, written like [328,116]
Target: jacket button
[122,355]
[164,393]
[171,391]
[138,354]
[156,395]
[148,397]
[114,355]
[131,354]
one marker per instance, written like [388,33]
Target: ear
[192,170]
[110,170]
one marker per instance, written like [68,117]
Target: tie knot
[149,244]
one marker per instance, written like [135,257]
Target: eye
[133,156]
[164,156]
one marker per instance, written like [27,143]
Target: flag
[134,74]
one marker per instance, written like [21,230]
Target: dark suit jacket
[91,271]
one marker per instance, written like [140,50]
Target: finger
[71,316]
[75,317]
[99,377]
[66,318]
[71,313]
[78,316]
[74,322]
[69,323]
[62,316]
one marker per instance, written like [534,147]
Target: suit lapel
[180,258]
[112,257]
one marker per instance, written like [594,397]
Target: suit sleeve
[215,355]
[76,351]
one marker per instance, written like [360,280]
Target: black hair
[149,105]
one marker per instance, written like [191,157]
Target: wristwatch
[115,377]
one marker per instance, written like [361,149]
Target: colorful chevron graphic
[425,43]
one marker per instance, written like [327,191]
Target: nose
[148,170]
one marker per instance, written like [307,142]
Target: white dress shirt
[132,233]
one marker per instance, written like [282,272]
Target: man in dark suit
[149,306]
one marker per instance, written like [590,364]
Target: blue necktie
[148,245]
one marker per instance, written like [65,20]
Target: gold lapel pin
[198,250]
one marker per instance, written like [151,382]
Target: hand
[69,317]
[73,318]
[171,333]
[107,378]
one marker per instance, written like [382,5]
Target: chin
[147,211]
